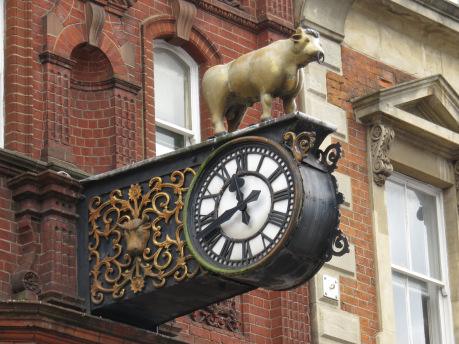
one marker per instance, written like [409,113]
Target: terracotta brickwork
[361,75]
[79,93]
[61,122]
[9,248]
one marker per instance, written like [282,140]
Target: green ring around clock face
[211,260]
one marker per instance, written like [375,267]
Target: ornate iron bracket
[330,156]
[300,144]
[338,245]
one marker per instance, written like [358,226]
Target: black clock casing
[269,227]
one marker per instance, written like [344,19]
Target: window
[176,98]
[419,267]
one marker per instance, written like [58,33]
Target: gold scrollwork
[300,144]
[128,241]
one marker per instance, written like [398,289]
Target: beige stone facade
[412,128]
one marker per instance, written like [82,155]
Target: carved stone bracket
[184,13]
[381,136]
[95,20]
[222,315]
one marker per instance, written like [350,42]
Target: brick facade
[79,96]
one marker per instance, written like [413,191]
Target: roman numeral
[206,219]
[208,195]
[267,241]
[275,174]
[227,249]
[223,173]
[213,237]
[281,195]
[241,161]
[260,163]
[277,218]
[246,251]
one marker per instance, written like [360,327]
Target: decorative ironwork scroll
[338,245]
[128,241]
[381,138]
[222,315]
[300,144]
[330,156]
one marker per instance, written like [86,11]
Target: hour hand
[235,185]
[228,214]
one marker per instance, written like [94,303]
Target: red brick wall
[109,123]
[35,128]
[8,240]
[361,75]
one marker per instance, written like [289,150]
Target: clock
[242,205]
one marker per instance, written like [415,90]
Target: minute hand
[228,214]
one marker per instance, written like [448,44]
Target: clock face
[241,205]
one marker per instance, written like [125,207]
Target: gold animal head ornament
[136,235]
[261,75]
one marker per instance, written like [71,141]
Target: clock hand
[228,214]
[234,186]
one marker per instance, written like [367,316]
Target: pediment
[424,109]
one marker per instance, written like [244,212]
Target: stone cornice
[423,13]
[106,84]
[438,132]
[444,7]
[48,57]
[13,164]
[39,317]
[244,19]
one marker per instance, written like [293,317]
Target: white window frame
[192,135]
[444,301]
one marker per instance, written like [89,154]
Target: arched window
[176,98]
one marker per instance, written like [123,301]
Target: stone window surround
[420,148]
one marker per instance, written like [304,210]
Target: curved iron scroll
[128,241]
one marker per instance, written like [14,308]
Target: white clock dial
[243,205]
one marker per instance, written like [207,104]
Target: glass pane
[419,312]
[171,88]
[400,307]
[395,197]
[422,221]
[168,141]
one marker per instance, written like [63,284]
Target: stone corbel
[184,13]
[95,20]
[381,137]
